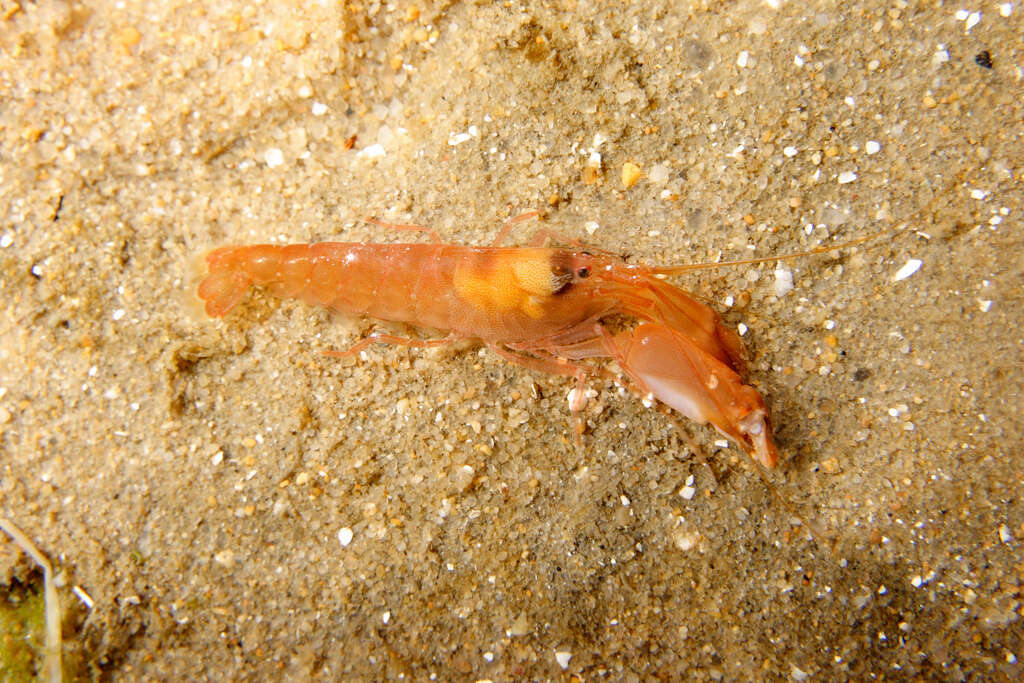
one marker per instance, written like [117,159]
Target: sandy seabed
[238,506]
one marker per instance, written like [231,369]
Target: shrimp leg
[554,366]
[435,236]
[503,233]
[380,337]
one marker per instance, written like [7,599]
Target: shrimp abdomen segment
[378,280]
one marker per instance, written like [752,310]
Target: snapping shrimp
[540,307]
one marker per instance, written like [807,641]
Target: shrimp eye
[583,272]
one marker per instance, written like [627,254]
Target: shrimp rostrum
[545,308]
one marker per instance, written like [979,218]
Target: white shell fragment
[273,157]
[563,659]
[909,268]
[783,281]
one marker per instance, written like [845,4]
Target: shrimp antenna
[676,270]
[814,531]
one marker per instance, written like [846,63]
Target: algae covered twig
[51,661]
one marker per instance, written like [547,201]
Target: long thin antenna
[676,270]
[815,532]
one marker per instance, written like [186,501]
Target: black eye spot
[583,272]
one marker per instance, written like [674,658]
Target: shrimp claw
[674,369]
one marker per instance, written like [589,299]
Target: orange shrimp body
[491,293]
[539,307]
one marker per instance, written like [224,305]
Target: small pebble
[783,281]
[790,151]
[847,177]
[1004,534]
[658,174]
[345,536]
[631,173]
[372,151]
[563,659]
[225,558]
[872,147]
[274,157]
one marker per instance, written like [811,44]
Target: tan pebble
[591,175]
[225,558]
[832,341]
[412,13]
[929,102]
[128,38]
[631,173]
[795,202]
[830,466]
[748,219]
